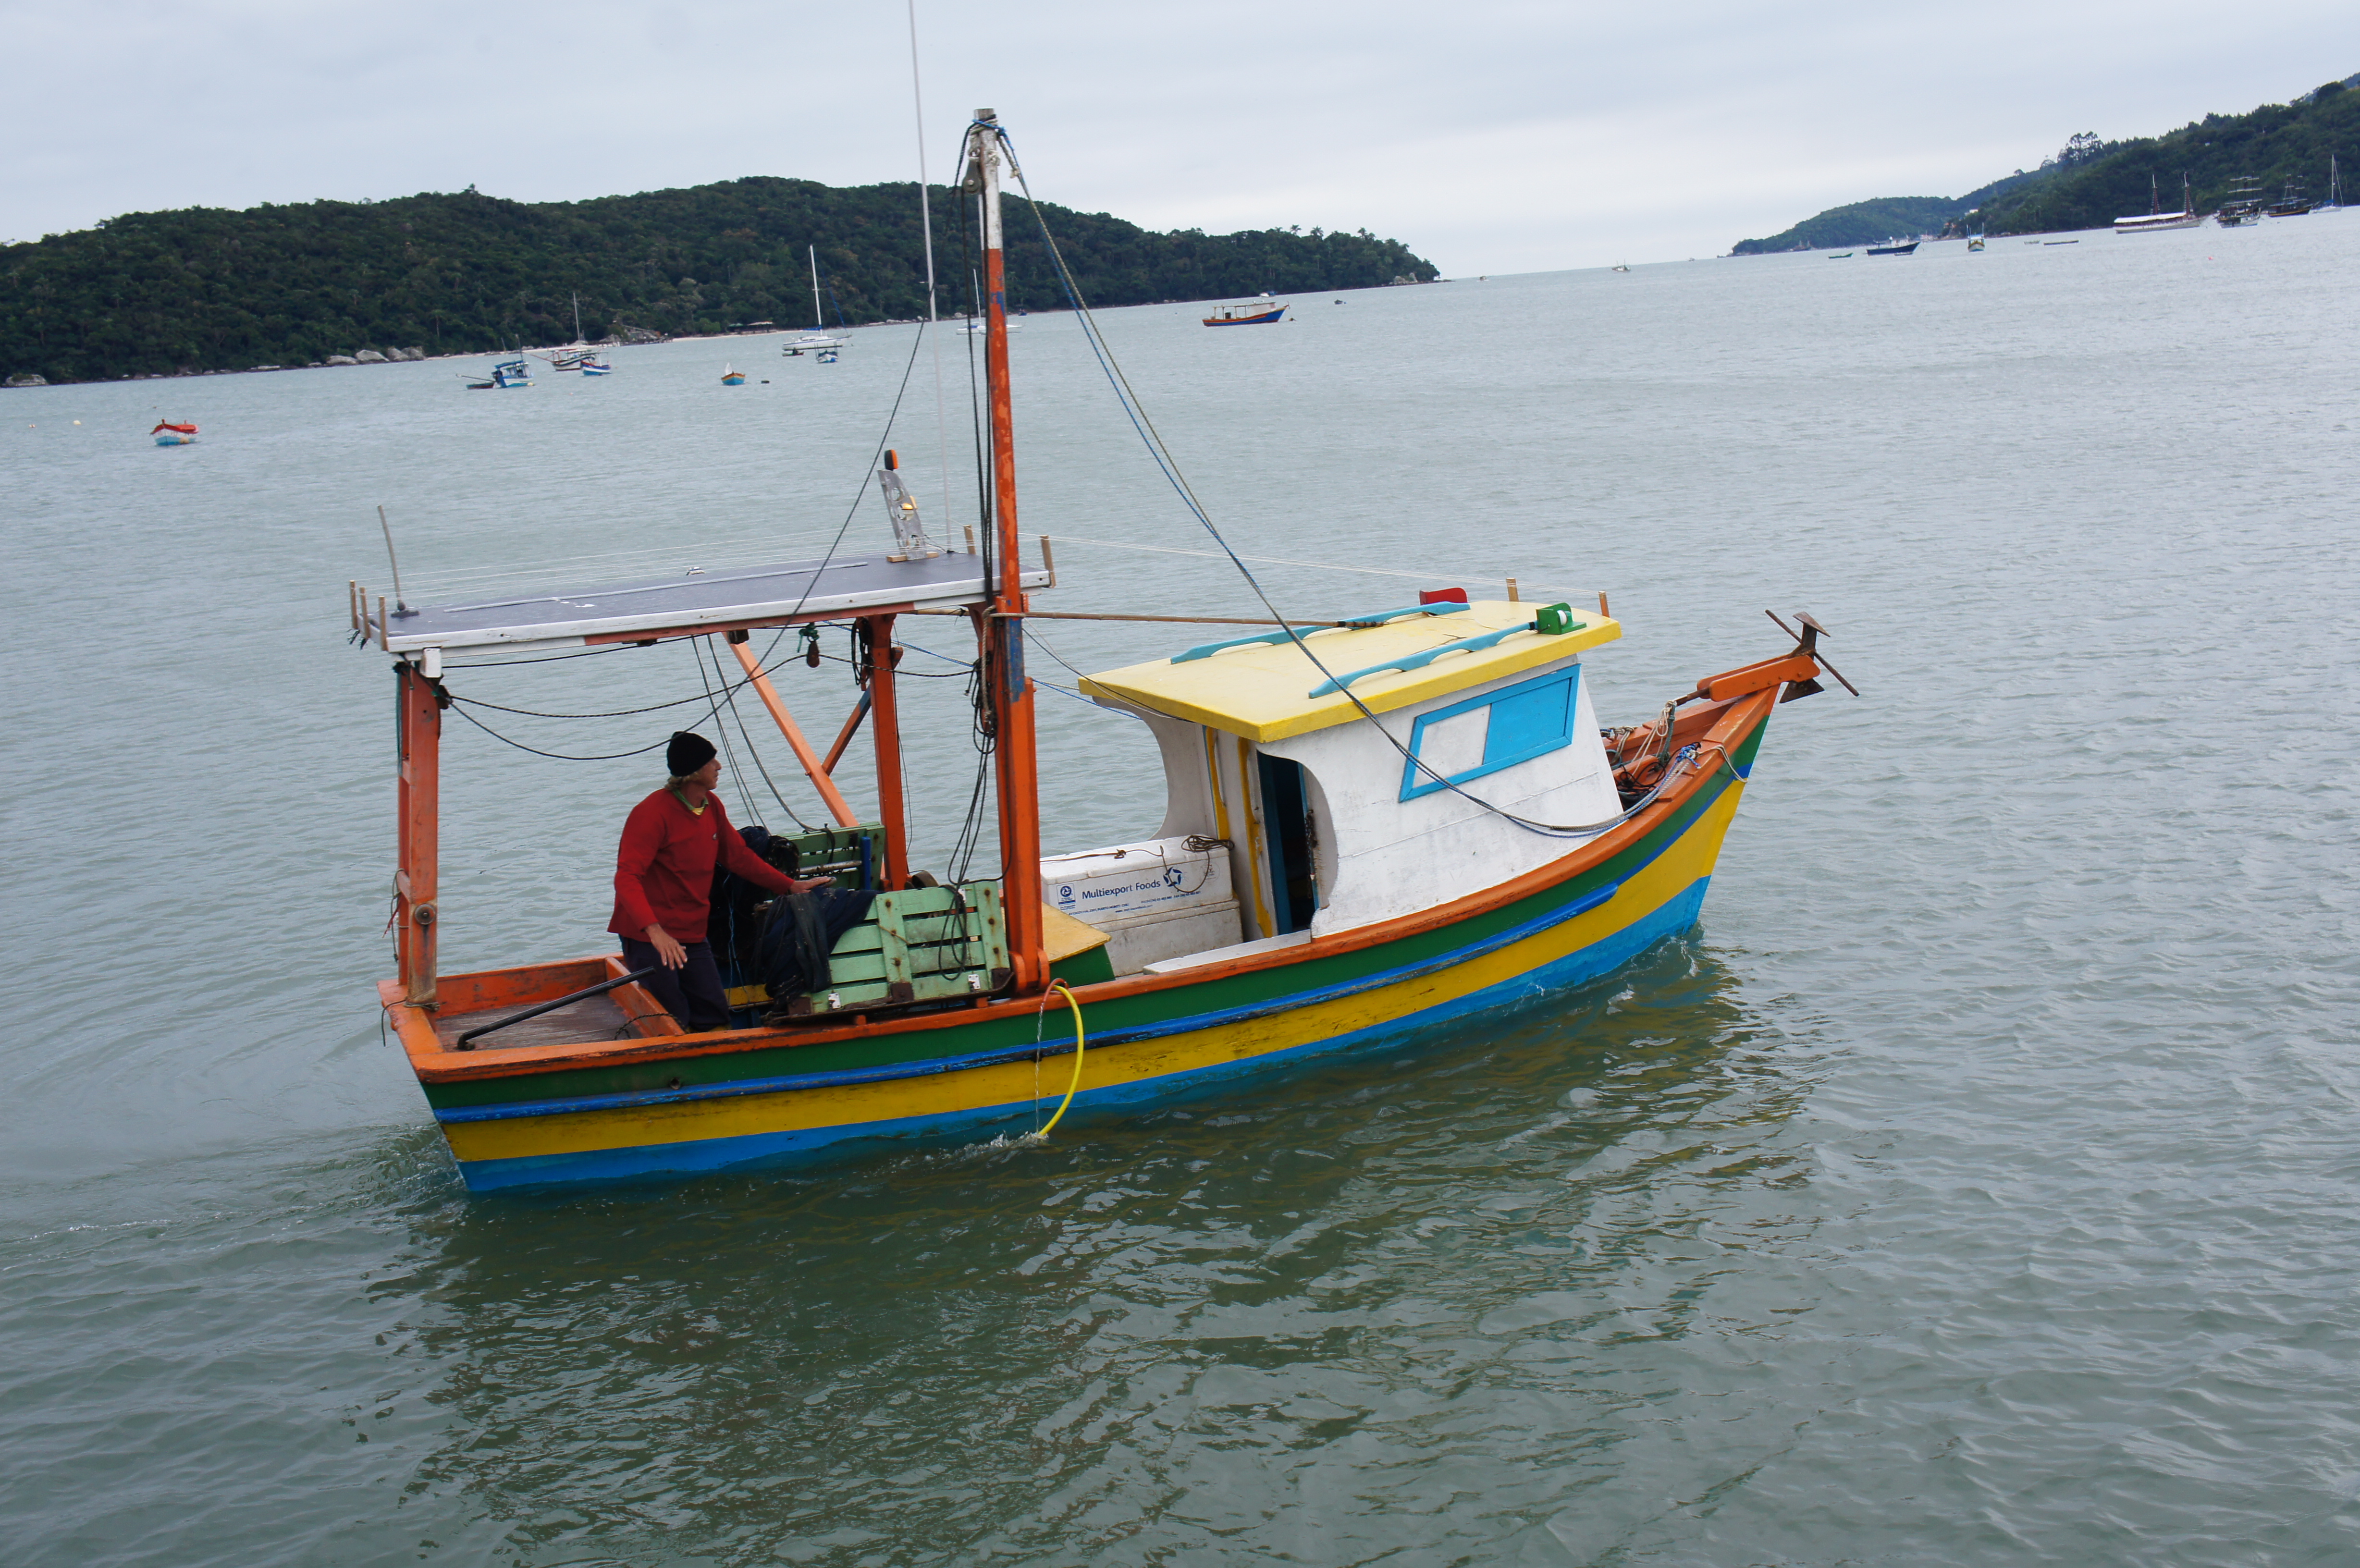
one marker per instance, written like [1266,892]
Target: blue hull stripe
[932,1065]
[929,1066]
[791,1146]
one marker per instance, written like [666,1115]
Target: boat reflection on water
[1524,1177]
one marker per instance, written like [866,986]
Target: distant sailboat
[571,356]
[2291,203]
[2154,220]
[815,340]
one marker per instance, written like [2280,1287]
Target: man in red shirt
[663,883]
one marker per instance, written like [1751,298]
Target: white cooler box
[1154,900]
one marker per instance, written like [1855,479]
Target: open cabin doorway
[1286,822]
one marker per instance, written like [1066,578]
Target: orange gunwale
[1731,720]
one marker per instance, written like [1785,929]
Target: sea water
[1973,1184]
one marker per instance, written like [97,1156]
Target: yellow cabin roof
[1264,690]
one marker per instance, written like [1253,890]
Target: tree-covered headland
[2092,181]
[208,288]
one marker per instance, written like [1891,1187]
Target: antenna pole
[401,606]
[1010,692]
[933,309]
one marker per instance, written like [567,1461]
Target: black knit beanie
[687,753]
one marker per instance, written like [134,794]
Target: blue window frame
[1517,724]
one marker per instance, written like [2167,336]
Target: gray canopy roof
[860,585]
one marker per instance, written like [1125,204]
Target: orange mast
[1009,692]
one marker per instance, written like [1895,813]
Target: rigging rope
[696,651]
[1164,460]
[746,736]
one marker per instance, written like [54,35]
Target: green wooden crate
[917,944]
[837,851]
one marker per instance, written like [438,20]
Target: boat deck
[588,1022]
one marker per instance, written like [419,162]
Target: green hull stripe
[1120,1014]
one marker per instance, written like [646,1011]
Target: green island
[2092,181]
[212,290]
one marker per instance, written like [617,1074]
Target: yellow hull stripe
[1009,1084]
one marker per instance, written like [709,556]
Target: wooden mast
[1009,692]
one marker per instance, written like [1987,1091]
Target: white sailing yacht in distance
[815,340]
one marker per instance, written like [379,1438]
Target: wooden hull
[674,1105]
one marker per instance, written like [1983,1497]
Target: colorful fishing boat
[509,374]
[1375,822]
[593,365]
[732,377]
[1256,313]
[167,433]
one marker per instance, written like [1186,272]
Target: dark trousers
[691,993]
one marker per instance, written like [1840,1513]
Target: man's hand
[815,882]
[672,954]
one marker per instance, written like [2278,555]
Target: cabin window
[1484,735]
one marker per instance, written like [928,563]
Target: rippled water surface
[1974,1184]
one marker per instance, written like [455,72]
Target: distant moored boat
[170,434]
[1893,249]
[1250,313]
[2155,219]
[2293,203]
[732,377]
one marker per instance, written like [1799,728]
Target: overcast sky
[1492,136]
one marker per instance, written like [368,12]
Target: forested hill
[2274,144]
[208,288]
[2093,181]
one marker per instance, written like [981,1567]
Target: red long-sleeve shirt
[663,872]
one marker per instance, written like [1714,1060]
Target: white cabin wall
[1188,786]
[1395,857]
[1209,790]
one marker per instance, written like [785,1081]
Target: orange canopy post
[812,769]
[417,715]
[886,736]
